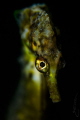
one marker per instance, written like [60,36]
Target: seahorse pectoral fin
[17,16]
[22,17]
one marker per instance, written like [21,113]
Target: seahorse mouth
[53,87]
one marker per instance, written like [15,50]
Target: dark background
[66,16]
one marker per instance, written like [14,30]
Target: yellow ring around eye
[41,64]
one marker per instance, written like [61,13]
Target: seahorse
[41,61]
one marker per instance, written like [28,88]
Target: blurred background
[65,16]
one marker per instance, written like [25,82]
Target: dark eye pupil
[42,64]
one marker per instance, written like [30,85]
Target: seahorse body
[41,59]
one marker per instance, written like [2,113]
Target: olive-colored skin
[41,60]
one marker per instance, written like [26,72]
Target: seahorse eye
[41,64]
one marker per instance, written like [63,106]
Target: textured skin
[38,36]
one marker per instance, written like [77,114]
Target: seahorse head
[38,34]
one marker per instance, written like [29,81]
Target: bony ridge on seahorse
[38,34]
